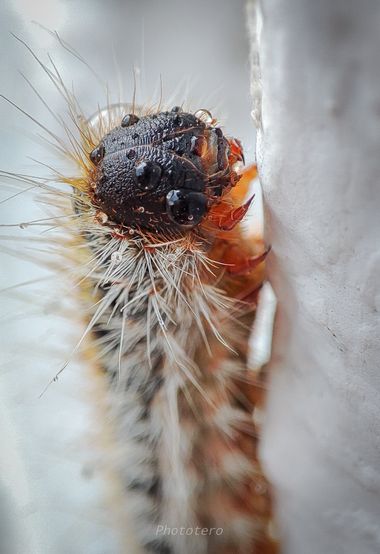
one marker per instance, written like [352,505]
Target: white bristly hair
[157,320]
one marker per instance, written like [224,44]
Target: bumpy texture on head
[161,172]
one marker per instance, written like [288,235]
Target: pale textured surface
[318,153]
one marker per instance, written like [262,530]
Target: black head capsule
[159,173]
[129,119]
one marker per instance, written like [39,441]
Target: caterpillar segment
[167,282]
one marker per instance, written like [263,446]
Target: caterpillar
[167,281]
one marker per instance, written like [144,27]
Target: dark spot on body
[157,546]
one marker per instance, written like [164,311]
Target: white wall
[319,159]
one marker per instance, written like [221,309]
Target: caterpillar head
[162,172]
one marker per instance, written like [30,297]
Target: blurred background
[51,494]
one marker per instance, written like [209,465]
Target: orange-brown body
[170,323]
[169,284]
[226,486]
[222,501]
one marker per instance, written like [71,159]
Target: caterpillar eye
[185,207]
[129,119]
[176,109]
[148,175]
[97,154]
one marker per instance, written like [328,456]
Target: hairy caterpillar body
[168,284]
